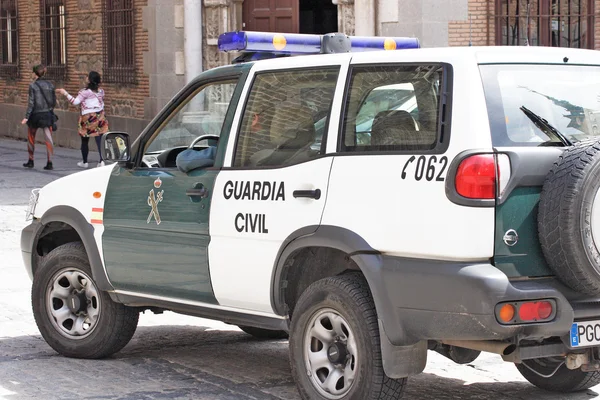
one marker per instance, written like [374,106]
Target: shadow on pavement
[195,362]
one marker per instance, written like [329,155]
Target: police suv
[373,205]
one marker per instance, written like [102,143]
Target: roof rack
[262,45]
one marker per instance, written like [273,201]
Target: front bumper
[28,252]
[434,300]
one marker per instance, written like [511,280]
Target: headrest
[391,127]
[290,121]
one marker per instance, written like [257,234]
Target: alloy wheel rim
[73,303]
[330,354]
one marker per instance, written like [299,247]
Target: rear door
[276,176]
[565,96]
[404,123]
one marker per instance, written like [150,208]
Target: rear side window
[393,108]
[285,118]
[542,105]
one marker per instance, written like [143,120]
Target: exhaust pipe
[489,346]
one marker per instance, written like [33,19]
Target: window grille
[53,38]
[557,23]
[119,41]
[9,39]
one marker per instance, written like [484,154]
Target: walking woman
[92,122]
[39,114]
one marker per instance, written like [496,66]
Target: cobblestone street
[173,356]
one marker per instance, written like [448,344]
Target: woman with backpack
[40,114]
[92,122]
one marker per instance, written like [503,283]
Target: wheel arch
[74,223]
[333,238]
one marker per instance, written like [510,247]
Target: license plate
[585,333]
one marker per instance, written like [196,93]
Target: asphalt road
[173,356]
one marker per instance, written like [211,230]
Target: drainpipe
[192,33]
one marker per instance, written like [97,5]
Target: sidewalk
[60,153]
[16,181]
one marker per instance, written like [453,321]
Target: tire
[265,334]
[86,324]
[564,380]
[341,311]
[566,216]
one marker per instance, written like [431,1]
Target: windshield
[533,105]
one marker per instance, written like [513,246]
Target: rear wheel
[335,347]
[266,334]
[73,315]
[551,374]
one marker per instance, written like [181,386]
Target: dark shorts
[40,120]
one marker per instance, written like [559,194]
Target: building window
[119,41]
[558,23]
[53,38]
[9,44]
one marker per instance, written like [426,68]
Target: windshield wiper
[545,127]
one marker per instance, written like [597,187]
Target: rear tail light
[476,177]
[523,312]
[483,176]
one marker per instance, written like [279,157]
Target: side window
[285,117]
[201,114]
[393,108]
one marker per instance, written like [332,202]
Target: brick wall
[124,103]
[481,27]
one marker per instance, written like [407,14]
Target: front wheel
[551,374]
[334,343]
[73,315]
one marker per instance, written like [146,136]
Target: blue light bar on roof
[297,43]
[369,43]
[290,43]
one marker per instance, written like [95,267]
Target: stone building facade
[164,58]
[82,51]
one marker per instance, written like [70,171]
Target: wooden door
[271,15]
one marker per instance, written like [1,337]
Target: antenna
[470,29]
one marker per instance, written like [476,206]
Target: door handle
[197,191]
[310,194]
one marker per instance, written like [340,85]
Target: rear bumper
[433,300]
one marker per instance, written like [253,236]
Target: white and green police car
[373,205]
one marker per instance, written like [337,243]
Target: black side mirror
[115,147]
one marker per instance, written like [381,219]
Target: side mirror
[115,147]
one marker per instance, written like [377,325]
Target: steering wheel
[199,138]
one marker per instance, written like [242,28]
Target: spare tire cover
[569,217]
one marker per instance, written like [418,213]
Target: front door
[271,15]
[277,181]
[156,215]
